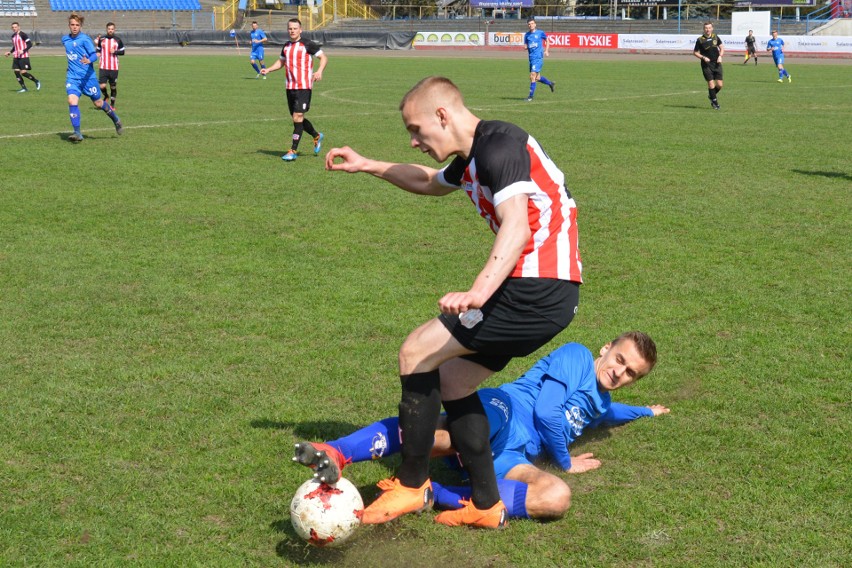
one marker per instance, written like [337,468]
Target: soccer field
[178,307]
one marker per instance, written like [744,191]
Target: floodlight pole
[678,17]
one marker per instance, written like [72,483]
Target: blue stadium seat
[110,5]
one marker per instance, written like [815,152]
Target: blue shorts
[498,409]
[257,54]
[779,59]
[88,86]
[536,65]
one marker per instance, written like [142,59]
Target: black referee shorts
[712,71]
[521,316]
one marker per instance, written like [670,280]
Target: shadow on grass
[276,153]
[311,431]
[838,175]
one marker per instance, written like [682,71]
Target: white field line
[333,96]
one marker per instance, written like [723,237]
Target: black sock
[419,408]
[468,427]
[309,128]
[21,81]
[718,89]
[297,135]
[711,94]
[30,77]
[104,93]
[113,91]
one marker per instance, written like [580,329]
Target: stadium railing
[18,8]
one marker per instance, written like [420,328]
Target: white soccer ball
[326,515]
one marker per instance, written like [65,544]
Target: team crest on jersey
[379,446]
[576,417]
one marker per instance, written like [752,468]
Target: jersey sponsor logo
[379,446]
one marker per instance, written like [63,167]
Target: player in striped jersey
[110,48]
[526,293]
[297,58]
[20,53]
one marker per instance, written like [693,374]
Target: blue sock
[109,112]
[262,66]
[513,494]
[74,113]
[371,442]
[256,70]
[544,80]
[532,89]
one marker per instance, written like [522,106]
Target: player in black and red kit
[525,294]
[20,52]
[297,58]
[110,48]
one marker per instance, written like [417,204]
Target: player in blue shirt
[81,78]
[258,38]
[536,43]
[776,45]
[544,411]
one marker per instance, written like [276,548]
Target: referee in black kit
[709,49]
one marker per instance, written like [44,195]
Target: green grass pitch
[178,306]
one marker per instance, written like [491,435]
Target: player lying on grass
[544,410]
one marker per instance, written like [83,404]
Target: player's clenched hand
[658,409]
[583,463]
[353,162]
[318,76]
[456,303]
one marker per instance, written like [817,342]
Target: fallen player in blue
[543,411]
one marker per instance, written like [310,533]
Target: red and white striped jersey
[506,161]
[109,49]
[20,45]
[298,61]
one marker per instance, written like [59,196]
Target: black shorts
[298,100]
[712,71]
[751,51]
[21,63]
[107,75]
[521,316]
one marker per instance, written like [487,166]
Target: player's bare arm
[659,409]
[274,67]
[323,61]
[511,239]
[413,178]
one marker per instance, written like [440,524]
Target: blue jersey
[76,48]
[535,43]
[776,45]
[554,401]
[256,36]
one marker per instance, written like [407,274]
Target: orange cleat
[397,500]
[497,517]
